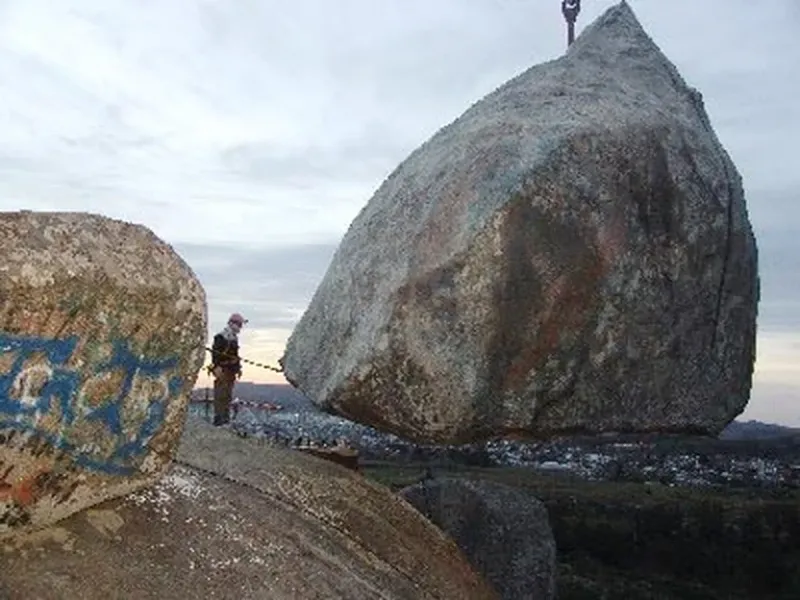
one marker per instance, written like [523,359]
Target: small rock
[504,532]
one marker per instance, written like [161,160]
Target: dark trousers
[223,394]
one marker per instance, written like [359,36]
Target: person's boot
[218,420]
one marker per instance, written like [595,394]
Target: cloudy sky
[249,133]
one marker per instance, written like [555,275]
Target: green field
[640,541]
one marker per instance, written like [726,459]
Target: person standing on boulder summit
[226,367]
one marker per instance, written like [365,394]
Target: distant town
[746,454]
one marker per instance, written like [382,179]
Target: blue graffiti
[61,388]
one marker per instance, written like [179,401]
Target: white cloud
[264,125]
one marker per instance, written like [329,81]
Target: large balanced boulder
[572,254]
[504,532]
[102,327]
[233,519]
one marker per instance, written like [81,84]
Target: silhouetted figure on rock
[570,10]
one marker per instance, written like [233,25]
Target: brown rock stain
[440,235]
[393,378]
[23,491]
[98,389]
[557,307]
[6,361]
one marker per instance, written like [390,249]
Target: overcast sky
[249,133]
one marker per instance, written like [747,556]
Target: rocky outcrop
[235,519]
[572,254]
[504,532]
[102,327]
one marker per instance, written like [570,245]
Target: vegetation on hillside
[648,541]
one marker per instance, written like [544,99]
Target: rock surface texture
[102,328]
[504,532]
[573,254]
[237,520]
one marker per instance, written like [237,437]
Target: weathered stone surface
[283,525]
[571,254]
[505,532]
[102,328]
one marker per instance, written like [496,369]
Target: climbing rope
[244,360]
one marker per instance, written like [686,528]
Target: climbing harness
[570,10]
[210,368]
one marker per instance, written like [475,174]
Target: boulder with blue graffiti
[102,328]
[236,518]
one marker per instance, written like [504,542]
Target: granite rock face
[102,329]
[234,519]
[503,531]
[572,254]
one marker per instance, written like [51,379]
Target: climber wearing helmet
[226,367]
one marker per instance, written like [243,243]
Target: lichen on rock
[571,254]
[102,331]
